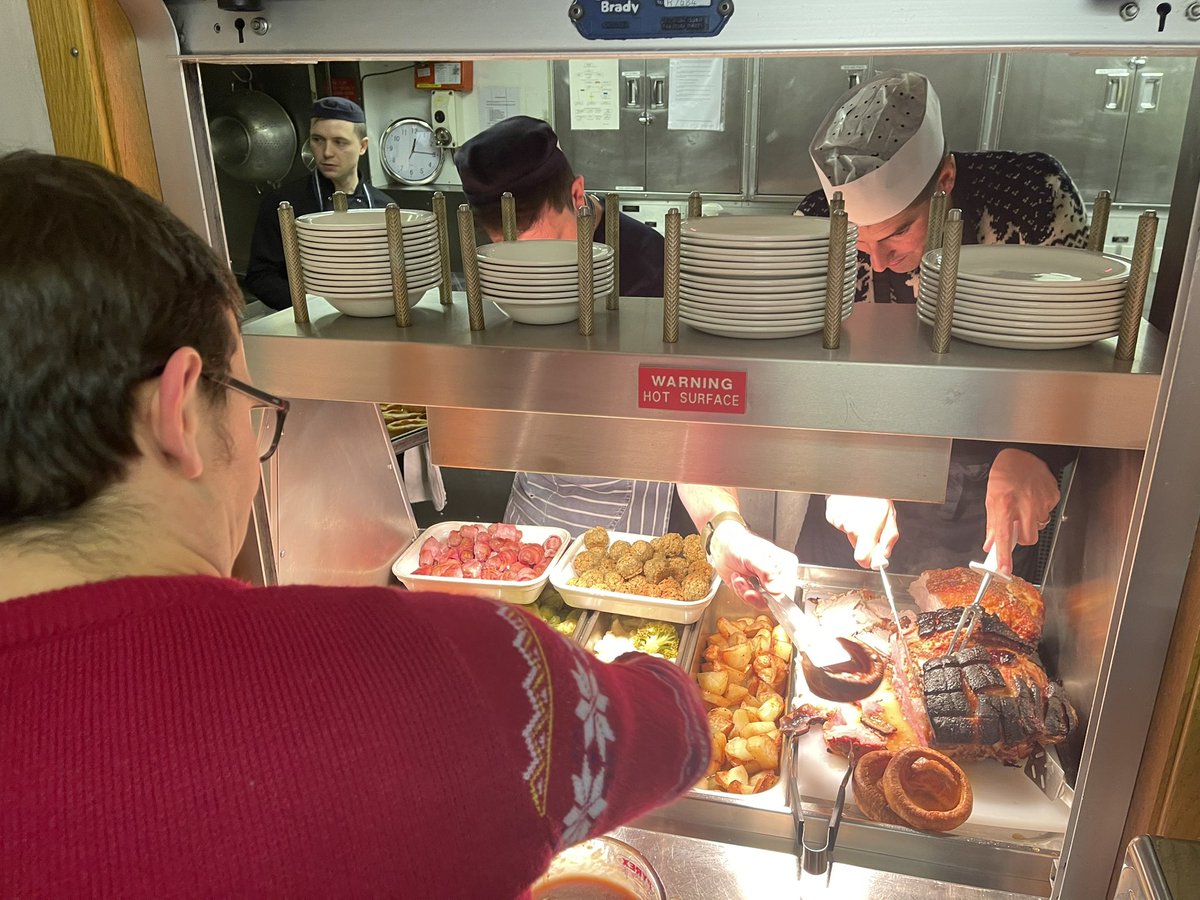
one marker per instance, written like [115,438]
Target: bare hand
[738,553]
[869,523]
[1021,494]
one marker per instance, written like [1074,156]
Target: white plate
[369,307]
[571,293]
[511,591]
[777,287]
[1022,307]
[754,270]
[966,311]
[754,334]
[571,276]
[751,308]
[332,270]
[557,313]
[1028,329]
[983,289]
[356,255]
[742,319]
[757,229]
[355,277]
[1036,268]
[363,218]
[783,257]
[374,246]
[540,253]
[415,288]
[1028,341]
[733,298]
[681,612]
[566,284]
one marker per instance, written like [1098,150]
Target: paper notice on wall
[498,103]
[595,95]
[697,95]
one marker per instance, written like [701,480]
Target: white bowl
[509,591]
[682,612]
[556,312]
[540,253]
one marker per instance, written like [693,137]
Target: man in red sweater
[168,732]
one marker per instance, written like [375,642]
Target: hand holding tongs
[989,569]
[805,632]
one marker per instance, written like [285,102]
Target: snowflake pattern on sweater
[1005,197]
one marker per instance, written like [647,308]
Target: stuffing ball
[695,588]
[613,581]
[642,550]
[678,566]
[670,544]
[668,589]
[636,582]
[588,559]
[628,566]
[693,547]
[590,579]
[619,549]
[655,569]
[604,565]
[703,569]
[596,538]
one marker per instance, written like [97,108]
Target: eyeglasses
[266,415]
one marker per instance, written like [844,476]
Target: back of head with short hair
[553,194]
[99,285]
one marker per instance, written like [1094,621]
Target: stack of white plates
[345,258]
[759,276]
[1029,298]
[537,282]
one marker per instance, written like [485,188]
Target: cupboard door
[1158,105]
[794,95]
[696,124]
[608,158]
[1073,107]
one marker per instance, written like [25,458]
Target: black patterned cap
[339,108]
[513,155]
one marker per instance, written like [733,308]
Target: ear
[176,413]
[946,177]
[578,194]
[362,147]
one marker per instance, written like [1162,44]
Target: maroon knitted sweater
[190,736]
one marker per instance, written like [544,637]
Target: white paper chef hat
[880,145]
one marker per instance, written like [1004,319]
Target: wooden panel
[93,85]
[71,81]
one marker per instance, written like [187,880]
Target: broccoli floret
[567,626]
[657,638]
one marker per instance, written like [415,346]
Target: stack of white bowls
[1029,298]
[537,282]
[759,276]
[345,258]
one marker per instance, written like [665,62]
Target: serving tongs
[891,599]
[971,615]
[810,857]
[840,669]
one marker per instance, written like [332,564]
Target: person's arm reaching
[869,523]
[1021,494]
[586,745]
[735,551]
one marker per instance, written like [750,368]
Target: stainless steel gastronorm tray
[593,625]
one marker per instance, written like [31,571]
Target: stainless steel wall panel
[827,462]
[1071,125]
[883,379]
[1158,107]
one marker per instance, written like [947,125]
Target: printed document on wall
[497,104]
[595,95]
[697,101]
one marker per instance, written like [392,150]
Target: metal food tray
[594,623]
[1017,804]
[728,604]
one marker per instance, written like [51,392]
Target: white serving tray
[510,591]
[682,612]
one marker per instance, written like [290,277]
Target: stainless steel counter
[692,869]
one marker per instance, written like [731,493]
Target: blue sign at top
[623,20]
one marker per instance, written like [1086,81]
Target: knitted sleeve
[594,745]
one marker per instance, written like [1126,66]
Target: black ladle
[842,682]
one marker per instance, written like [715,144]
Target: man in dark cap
[338,138]
[521,155]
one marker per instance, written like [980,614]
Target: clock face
[410,153]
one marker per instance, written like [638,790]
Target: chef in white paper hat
[883,147]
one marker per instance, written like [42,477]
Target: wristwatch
[711,527]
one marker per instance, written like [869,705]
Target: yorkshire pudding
[927,790]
